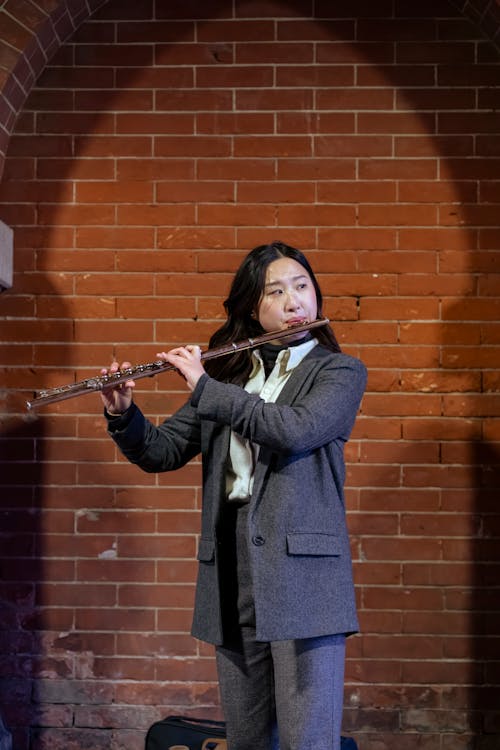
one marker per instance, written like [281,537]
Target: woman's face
[288,298]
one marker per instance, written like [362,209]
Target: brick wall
[159,146]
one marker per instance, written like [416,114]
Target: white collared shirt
[242,453]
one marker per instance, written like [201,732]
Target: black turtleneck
[269,352]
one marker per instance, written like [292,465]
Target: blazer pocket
[313,544]
[206,550]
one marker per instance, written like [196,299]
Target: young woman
[274,591]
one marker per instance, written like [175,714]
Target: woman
[274,591]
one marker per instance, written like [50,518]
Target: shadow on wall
[5,737]
[474,593]
[485,604]
[21,570]
[24,499]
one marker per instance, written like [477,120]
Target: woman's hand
[117,398]
[187,360]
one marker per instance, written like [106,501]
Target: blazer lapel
[288,394]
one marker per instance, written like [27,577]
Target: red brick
[229,122]
[445,145]
[114,192]
[390,309]
[316,76]
[127,146]
[356,192]
[150,216]
[404,76]
[157,497]
[232,169]
[316,168]
[177,571]
[315,122]
[322,215]
[269,99]
[192,146]
[155,169]
[469,75]
[470,357]
[191,53]
[437,52]
[395,122]
[401,599]
[437,192]
[174,620]
[363,333]
[111,55]
[464,215]
[193,100]
[130,100]
[236,215]
[448,285]
[234,76]
[400,215]
[407,404]
[266,146]
[343,146]
[349,239]
[80,595]
[188,670]
[154,30]
[73,122]
[105,284]
[387,169]
[435,381]
[156,595]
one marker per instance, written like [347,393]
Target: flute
[148,370]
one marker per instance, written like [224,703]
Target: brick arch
[486,15]
[32,35]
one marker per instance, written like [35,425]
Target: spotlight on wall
[6,256]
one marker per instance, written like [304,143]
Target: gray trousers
[282,695]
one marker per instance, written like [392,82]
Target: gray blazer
[298,540]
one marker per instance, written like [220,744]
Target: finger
[194,350]
[112,368]
[175,355]
[179,351]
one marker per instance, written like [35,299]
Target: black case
[183,730]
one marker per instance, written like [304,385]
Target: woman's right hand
[117,398]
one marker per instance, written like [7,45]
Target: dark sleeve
[119,421]
[165,448]
[325,408]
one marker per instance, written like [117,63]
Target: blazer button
[258,541]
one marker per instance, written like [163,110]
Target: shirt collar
[292,356]
[288,358]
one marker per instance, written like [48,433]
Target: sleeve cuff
[200,385]
[120,421]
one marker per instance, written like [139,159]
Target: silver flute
[148,370]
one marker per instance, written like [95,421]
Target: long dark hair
[241,307]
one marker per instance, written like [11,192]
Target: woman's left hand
[187,360]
